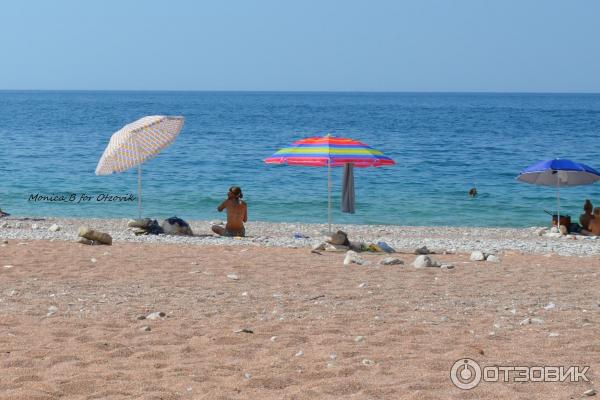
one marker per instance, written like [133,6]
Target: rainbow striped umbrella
[330,151]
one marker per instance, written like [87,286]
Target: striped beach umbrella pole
[330,151]
[137,143]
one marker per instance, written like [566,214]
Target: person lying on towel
[237,214]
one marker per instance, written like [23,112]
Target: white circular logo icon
[465,374]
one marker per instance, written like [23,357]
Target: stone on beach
[477,256]
[97,236]
[156,315]
[51,311]
[54,228]
[83,240]
[424,261]
[492,258]
[423,250]
[529,321]
[391,261]
[353,258]
[234,277]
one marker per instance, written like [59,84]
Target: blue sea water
[444,144]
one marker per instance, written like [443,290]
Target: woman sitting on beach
[587,216]
[594,226]
[237,214]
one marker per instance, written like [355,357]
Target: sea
[443,143]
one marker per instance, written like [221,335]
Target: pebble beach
[533,240]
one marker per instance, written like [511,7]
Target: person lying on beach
[237,214]
[594,226]
[3,214]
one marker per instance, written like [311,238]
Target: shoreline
[405,239]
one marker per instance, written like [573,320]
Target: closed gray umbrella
[348,203]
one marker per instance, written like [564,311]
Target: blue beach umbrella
[559,172]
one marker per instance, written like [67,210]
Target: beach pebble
[367,362]
[424,261]
[299,354]
[422,250]
[477,256]
[244,330]
[528,321]
[34,226]
[247,375]
[145,328]
[550,306]
[554,334]
[447,266]
[590,392]
[51,311]
[93,260]
[92,234]
[54,228]
[391,261]
[359,339]
[363,285]
[353,258]
[273,338]
[5,241]
[492,258]
[8,266]
[155,315]
[234,277]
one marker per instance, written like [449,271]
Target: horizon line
[306,91]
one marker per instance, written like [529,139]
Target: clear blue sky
[377,45]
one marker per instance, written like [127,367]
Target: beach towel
[348,204]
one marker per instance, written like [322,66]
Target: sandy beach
[73,318]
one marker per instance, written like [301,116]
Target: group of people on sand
[590,219]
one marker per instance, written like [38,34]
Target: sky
[302,45]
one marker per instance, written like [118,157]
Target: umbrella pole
[558,205]
[329,194]
[140,191]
